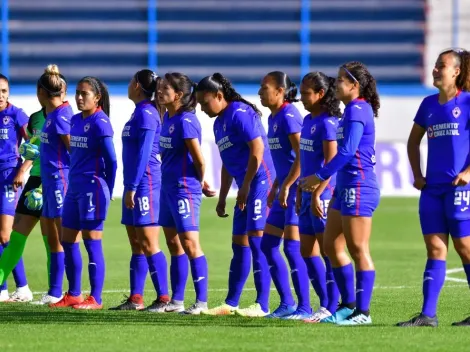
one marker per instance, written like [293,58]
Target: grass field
[397,249]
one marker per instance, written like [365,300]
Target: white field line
[454,279]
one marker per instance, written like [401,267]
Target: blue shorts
[53,195]
[179,208]
[253,218]
[280,217]
[87,209]
[310,224]
[356,201]
[9,198]
[445,209]
[147,206]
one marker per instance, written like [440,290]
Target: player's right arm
[414,155]
[225,184]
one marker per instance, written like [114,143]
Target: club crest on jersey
[275,127]
[456,112]
[313,129]
[48,123]
[171,129]
[430,132]
[6,119]
[87,127]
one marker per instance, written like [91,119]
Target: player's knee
[4,236]
[174,246]
[463,252]
[329,249]
[359,253]
[437,252]
[191,248]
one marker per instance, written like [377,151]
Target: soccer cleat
[282,311]
[299,314]
[89,304]
[420,320]
[158,306]
[134,302]
[174,306]
[67,301]
[4,297]
[196,309]
[318,316]
[21,295]
[356,318]
[223,309]
[253,311]
[47,299]
[342,313]
[465,322]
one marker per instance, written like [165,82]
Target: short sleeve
[420,118]
[21,118]
[62,124]
[191,127]
[148,120]
[103,127]
[330,126]
[293,123]
[247,125]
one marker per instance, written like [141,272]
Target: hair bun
[52,70]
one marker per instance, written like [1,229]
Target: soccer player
[92,174]
[278,92]
[141,200]
[54,164]
[356,195]
[244,150]
[318,146]
[13,129]
[444,204]
[183,169]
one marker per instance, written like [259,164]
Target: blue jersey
[447,127]
[55,158]
[13,119]
[86,158]
[286,122]
[145,117]
[314,131]
[238,125]
[359,170]
[178,168]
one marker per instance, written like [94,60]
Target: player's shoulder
[328,121]
[189,118]
[101,118]
[291,112]
[14,110]
[464,97]
[430,99]
[359,110]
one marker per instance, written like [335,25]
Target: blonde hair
[52,81]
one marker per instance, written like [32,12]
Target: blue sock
[277,267]
[56,276]
[344,276]
[73,267]
[299,274]
[179,269]
[466,267]
[260,273]
[317,276]
[138,273]
[331,287]
[158,273]
[96,267]
[19,274]
[433,280]
[239,271]
[364,287]
[199,272]
[3,286]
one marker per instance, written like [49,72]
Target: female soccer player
[14,128]
[54,164]
[317,147]
[183,169]
[91,181]
[444,205]
[244,150]
[278,92]
[141,200]
[357,193]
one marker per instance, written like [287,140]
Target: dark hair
[52,81]
[147,80]
[5,78]
[318,81]
[357,72]
[181,83]
[462,60]
[160,108]
[283,81]
[218,83]
[99,88]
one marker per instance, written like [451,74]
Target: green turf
[397,249]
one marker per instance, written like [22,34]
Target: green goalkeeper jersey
[36,121]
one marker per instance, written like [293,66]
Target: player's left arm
[294,171]
[110,162]
[198,159]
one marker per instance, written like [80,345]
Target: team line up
[309,182]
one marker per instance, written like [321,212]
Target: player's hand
[242,196]
[33,200]
[129,199]
[419,183]
[220,209]
[207,190]
[462,179]
[29,151]
[309,183]
[283,195]
[18,181]
[316,206]
[271,197]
